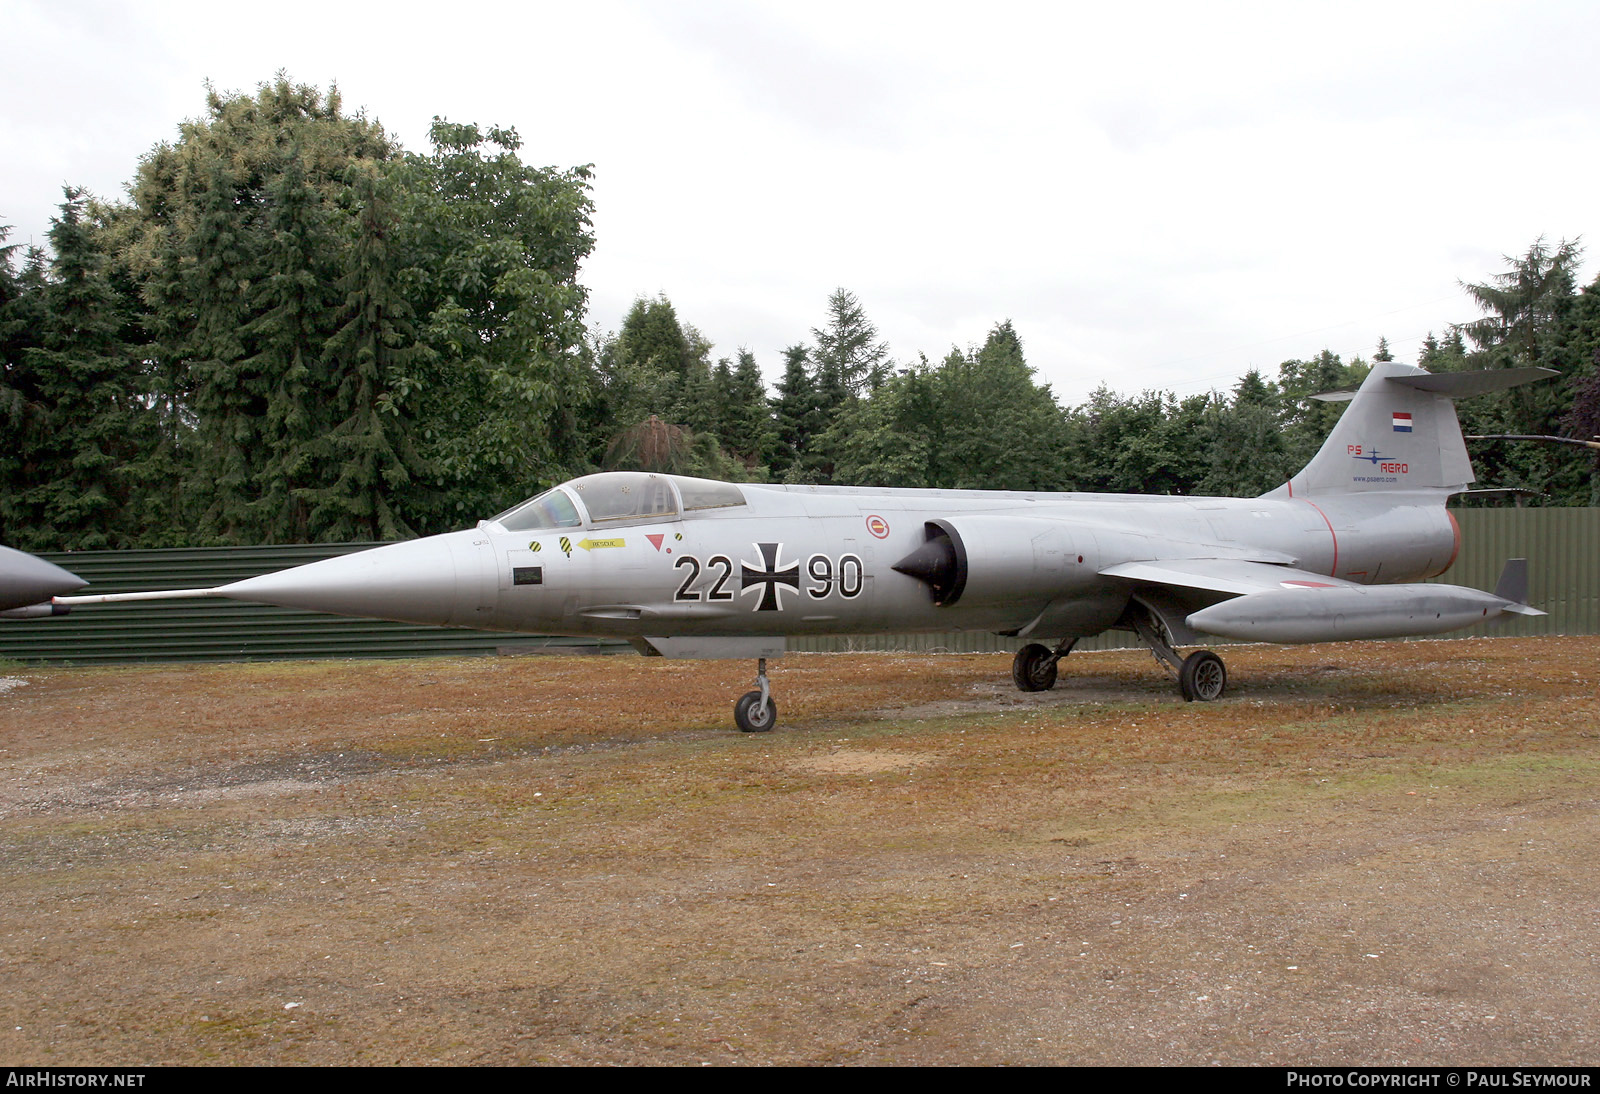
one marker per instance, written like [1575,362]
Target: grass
[576,860]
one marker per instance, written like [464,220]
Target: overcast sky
[1157,195]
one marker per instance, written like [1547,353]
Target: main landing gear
[756,712]
[1202,677]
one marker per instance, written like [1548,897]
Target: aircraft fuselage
[819,560]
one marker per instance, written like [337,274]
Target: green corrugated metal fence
[1562,547]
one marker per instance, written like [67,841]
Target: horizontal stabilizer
[1462,385]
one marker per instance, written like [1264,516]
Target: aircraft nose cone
[26,580]
[438,580]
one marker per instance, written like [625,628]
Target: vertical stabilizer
[1400,433]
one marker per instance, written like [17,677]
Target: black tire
[1034,668]
[748,716]
[1203,677]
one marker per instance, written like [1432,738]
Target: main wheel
[1202,677]
[750,718]
[1034,668]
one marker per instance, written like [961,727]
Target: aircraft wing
[1231,576]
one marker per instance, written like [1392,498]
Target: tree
[1243,442]
[86,419]
[1529,320]
[886,440]
[747,430]
[1144,444]
[1306,421]
[654,445]
[22,409]
[1008,433]
[800,418]
[351,341]
[849,359]
[492,252]
[1523,303]
[233,237]
[652,338]
[371,444]
[998,429]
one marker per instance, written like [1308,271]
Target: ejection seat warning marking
[596,544]
[655,539]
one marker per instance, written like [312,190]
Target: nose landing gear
[1034,667]
[756,711]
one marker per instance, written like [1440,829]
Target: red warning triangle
[655,540]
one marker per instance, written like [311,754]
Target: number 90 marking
[826,576]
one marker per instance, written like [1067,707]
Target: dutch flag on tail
[1402,422]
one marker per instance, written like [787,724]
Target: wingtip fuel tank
[1349,613]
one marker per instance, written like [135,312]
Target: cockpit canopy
[617,496]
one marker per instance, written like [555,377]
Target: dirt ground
[1364,854]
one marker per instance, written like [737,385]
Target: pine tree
[376,482]
[849,359]
[88,415]
[234,237]
[748,431]
[799,418]
[1528,320]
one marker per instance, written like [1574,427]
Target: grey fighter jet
[28,583]
[686,567]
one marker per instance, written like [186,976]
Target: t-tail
[1400,432]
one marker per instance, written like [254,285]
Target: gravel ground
[1364,854]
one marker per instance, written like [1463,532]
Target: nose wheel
[756,711]
[1034,667]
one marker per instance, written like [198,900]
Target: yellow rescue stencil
[595,544]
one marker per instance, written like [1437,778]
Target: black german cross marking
[769,577]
